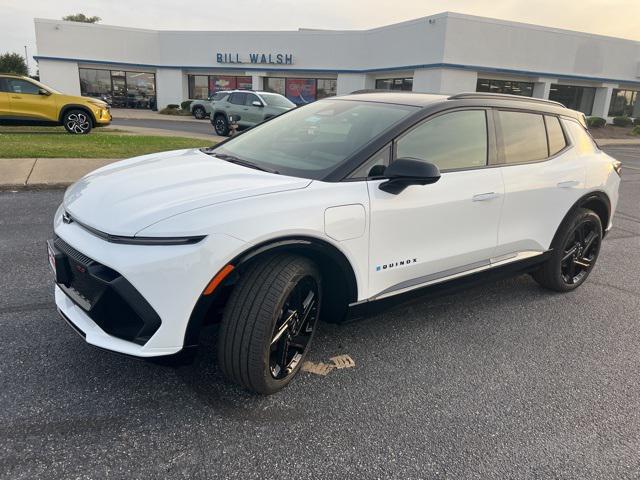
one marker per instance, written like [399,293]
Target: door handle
[483,197]
[569,184]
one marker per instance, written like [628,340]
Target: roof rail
[504,96]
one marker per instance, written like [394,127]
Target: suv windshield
[274,100]
[311,141]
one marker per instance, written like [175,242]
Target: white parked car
[325,210]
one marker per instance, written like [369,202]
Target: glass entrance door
[119,85]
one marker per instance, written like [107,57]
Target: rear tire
[199,113]
[220,125]
[574,253]
[269,322]
[77,122]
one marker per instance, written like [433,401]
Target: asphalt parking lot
[505,380]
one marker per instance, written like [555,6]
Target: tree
[81,17]
[13,63]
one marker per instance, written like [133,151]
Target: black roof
[425,100]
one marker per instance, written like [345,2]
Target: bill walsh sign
[256,58]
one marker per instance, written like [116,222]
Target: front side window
[17,85]
[274,100]
[311,141]
[524,138]
[450,141]
[375,166]
[250,99]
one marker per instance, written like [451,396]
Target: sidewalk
[141,114]
[20,173]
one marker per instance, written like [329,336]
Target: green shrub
[596,122]
[171,110]
[622,121]
[636,121]
[173,106]
[636,130]
[186,105]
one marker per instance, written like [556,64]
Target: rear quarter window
[582,141]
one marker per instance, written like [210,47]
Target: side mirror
[408,171]
[256,103]
[42,91]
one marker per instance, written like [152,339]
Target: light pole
[26,59]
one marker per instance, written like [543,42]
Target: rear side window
[3,85]
[524,138]
[581,139]
[450,141]
[555,135]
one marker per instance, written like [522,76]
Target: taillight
[617,166]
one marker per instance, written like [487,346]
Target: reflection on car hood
[128,196]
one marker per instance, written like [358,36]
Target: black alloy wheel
[294,328]
[269,322]
[199,113]
[220,125]
[573,254]
[580,252]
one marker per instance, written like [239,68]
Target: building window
[326,88]
[405,84]
[202,87]
[524,89]
[120,89]
[624,103]
[575,98]
[301,90]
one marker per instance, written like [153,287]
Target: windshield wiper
[245,163]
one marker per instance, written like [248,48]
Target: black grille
[107,297]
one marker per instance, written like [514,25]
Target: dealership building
[445,53]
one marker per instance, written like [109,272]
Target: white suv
[324,211]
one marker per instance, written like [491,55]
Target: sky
[618,18]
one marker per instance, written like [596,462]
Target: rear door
[27,102]
[428,233]
[544,175]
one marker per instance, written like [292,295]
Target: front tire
[269,322]
[199,113]
[77,122]
[574,253]
[220,125]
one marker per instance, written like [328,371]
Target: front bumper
[164,282]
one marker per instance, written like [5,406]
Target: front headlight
[98,103]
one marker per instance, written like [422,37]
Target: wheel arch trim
[73,106]
[596,196]
[289,243]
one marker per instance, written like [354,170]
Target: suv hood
[128,196]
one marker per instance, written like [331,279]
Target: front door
[27,102]
[252,114]
[431,232]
